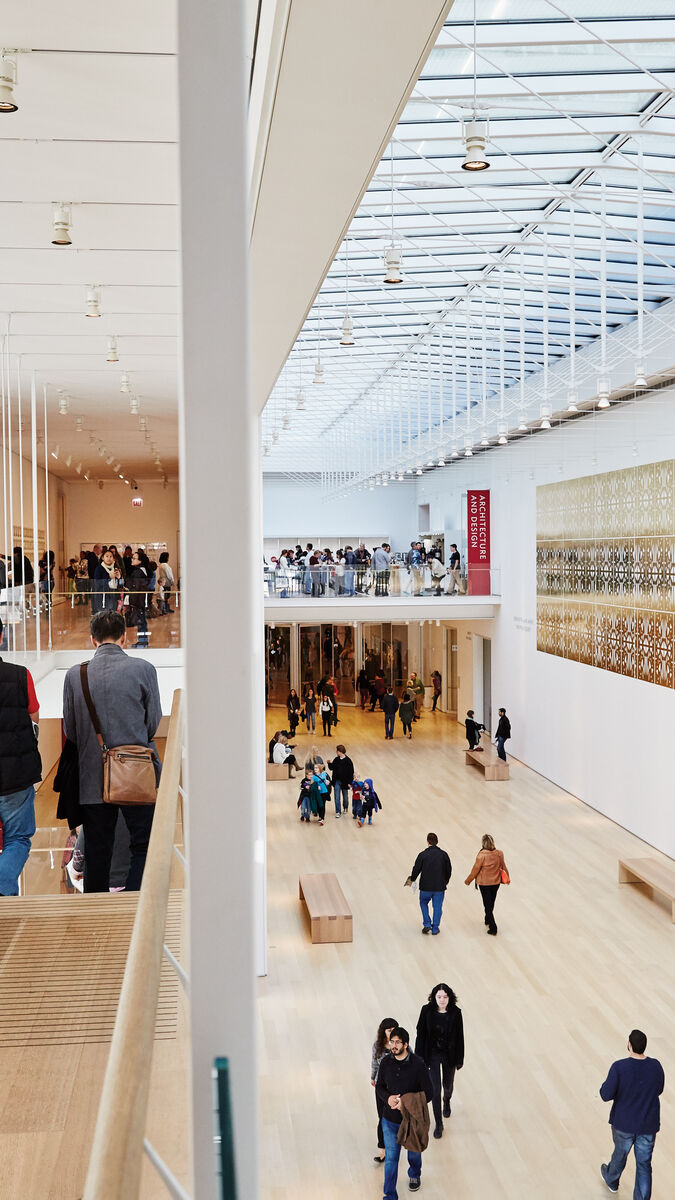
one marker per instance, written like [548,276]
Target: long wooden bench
[657,875]
[487,760]
[330,917]
[277,771]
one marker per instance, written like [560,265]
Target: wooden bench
[330,916]
[277,771]
[657,875]
[487,760]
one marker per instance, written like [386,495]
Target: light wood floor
[70,629]
[547,1004]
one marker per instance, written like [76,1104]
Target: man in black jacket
[503,732]
[390,709]
[434,869]
[342,769]
[20,770]
[400,1073]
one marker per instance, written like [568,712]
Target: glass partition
[277,663]
[328,651]
[385,649]
[310,657]
[63,619]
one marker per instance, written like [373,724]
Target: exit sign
[136,501]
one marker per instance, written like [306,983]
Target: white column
[224,645]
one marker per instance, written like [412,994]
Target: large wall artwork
[606,571]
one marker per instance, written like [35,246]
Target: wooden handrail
[117,1152]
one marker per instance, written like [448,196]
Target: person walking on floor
[440,1043]
[370,802]
[363,685]
[327,710]
[473,731]
[416,688]
[503,733]
[405,1089]
[390,708]
[342,773]
[318,792]
[293,710]
[434,869]
[125,695]
[437,682]
[634,1084]
[487,872]
[380,1050]
[456,583]
[20,770]
[406,712]
[310,709]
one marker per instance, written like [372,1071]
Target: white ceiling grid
[96,128]
[575,92]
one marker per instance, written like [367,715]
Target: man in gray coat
[125,694]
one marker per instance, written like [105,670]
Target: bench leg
[625,875]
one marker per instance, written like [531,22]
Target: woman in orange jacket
[487,871]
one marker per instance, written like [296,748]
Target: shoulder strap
[90,703]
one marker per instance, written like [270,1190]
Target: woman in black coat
[440,1042]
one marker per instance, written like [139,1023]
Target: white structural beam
[223,660]
[319,156]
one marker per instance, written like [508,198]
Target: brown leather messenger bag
[128,771]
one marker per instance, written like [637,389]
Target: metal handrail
[117,1151]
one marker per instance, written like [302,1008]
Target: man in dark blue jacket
[434,869]
[634,1084]
[390,708]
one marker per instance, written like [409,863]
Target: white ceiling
[96,127]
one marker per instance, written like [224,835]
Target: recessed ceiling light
[61,220]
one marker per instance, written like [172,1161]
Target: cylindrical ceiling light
[7,83]
[61,221]
[603,379]
[266,449]
[286,422]
[93,303]
[475,140]
[112,355]
[522,424]
[300,401]
[318,372]
[393,253]
[468,447]
[347,338]
[63,403]
[572,392]
[502,438]
[454,452]
[124,383]
[79,424]
[640,377]
[545,414]
[134,405]
[109,460]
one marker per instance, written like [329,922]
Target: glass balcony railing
[34,620]
[327,581]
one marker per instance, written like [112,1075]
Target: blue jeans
[304,807]
[311,717]
[392,1152]
[341,791]
[437,899]
[389,724]
[500,748]
[17,813]
[644,1146]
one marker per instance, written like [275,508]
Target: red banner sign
[478,555]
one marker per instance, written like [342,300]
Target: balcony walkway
[380,608]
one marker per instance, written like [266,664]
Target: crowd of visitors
[359,571]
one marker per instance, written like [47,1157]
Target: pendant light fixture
[318,368]
[545,410]
[501,438]
[393,253]
[134,405]
[7,83]
[453,384]
[112,356]
[347,338]
[124,383]
[61,222]
[572,391]
[603,378]
[468,440]
[640,377]
[475,132]
[79,424]
[64,402]
[522,426]
[93,302]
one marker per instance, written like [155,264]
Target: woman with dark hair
[126,560]
[310,709]
[165,582]
[137,584]
[293,708]
[380,1050]
[107,582]
[440,1042]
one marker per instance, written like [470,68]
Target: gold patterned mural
[606,571]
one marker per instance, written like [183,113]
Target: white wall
[297,512]
[105,514]
[604,737]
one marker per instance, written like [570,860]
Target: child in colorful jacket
[370,802]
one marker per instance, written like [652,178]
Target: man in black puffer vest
[20,770]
